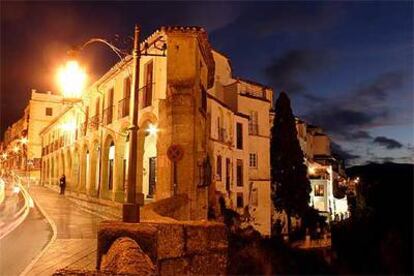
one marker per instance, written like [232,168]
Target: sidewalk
[74,243]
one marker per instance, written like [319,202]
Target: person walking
[62,184]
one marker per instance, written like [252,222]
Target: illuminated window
[111,158]
[49,111]
[319,190]
[253,160]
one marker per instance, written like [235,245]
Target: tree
[290,184]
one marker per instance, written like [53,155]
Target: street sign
[175,153]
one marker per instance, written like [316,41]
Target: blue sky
[347,66]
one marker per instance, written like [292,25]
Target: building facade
[326,172]
[188,99]
[22,148]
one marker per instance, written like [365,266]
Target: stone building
[326,172]
[188,98]
[22,147]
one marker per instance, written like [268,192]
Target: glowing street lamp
[4,155]
[16,149]
[72,80]
[24,140]
[69,126]
[152,130]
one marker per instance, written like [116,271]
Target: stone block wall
[176,248]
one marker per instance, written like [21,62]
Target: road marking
[54,230]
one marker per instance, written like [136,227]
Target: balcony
[108,115]
[253,129]
[222,135]
[261,94]
[123,108]
[94,122]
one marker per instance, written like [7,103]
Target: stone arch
[95,168]
[84,168]
[147,156]
[108,167]
[75,177]
[68,167]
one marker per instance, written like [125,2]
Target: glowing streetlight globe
[72,80]
[152,130]
[24,140]
[69,126]
[16,149]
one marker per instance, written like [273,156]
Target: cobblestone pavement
[75,242]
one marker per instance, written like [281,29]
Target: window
[111,158]
[203,99]
[239,172]
[218,167]
[239,129]
[253,123]
[319,190]
[147,95]
[240,203]
[49,111]
[254,197]
[253,160]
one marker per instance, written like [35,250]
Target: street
[23,243]
[75,243]
[40,245]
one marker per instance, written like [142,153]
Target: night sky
[347,66]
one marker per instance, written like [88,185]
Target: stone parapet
[176,248]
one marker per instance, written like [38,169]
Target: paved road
[24,243]
[75,244]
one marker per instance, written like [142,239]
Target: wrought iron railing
[94,122]
[253,128]
[108,115]
[123,108]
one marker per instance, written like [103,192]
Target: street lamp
[72,73]
[72,79]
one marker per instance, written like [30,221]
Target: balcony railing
[253,129]
[94,122]
[123,108]
[255,93]
[222,135]
[108,115]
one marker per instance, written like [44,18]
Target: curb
[54,230]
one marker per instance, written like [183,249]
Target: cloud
[358,135]
[387,142]
[379,88]
[284,72]
[362,107]
[344,154]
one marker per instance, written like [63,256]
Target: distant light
[16,189]
[24,140]
[72,80]
[16,149]
[152,130]
[311,170]
[69,126]
[4,155]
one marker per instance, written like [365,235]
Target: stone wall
[176,248]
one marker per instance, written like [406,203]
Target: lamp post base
[130,212]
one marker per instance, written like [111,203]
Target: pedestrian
[62,184]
